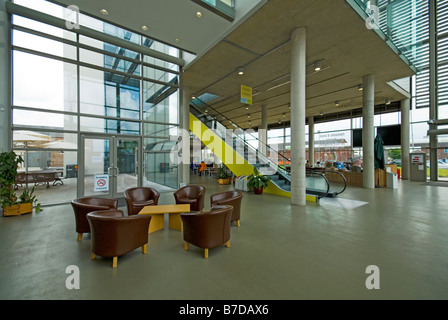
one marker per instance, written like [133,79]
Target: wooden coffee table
[158,219]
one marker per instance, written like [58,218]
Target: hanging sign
[246,94]
[101,182]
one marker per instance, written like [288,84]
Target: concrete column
[5,80]
[368,131]
[433,92]
[298,103]
[311,140]
[263,131]
[405,140]
[184,174]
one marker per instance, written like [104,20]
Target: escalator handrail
[308,173]
[343,178]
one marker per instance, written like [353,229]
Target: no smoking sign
[101,182]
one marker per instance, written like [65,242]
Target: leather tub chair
[114,234]
[193,195]
[139,197]
[232,198]
[207,230]
[83,206]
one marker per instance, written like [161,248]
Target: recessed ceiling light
[240,71]
[104,11]
[199,14]
[177,40]
[145,28]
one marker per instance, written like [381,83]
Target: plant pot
[258,190]
[18,209]
[224,181]
[26,208]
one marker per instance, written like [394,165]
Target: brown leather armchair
[114,234]
[232,198]
[207,230]
[193,195]
[139,197]
[83,206]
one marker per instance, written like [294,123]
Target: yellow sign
[246,94]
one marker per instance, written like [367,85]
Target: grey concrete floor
[280,252]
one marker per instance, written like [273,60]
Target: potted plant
[257,181]
[11,204]
[223,176]
[27,199]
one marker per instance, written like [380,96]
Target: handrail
[323,171]
[343,178]
[309,173]
[208,107]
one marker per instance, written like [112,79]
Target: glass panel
[34,42]
[160,103]
[44,83]
[48,140]
[109,126]
[160,130]
[159,168]
[44,120]
[52,174]
[159,75]
[127,164]
[117,99]
[96,163]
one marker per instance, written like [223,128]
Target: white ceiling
[259,39]
[167,20]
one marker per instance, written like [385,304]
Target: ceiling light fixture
[360,87]
[388,101]
[177,40]
[247,107]
[198,14]
[248,115]
[145,28]
[240,71]
[336,103]
[104,11]
[317,66]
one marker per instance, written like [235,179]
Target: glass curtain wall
[66,84]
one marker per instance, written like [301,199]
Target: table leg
[157,223]
[175,222]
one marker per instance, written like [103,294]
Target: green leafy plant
[9,162]
[257,180]
[223,174]
[28,196]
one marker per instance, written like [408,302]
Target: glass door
[108,166]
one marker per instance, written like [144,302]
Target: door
[108,166]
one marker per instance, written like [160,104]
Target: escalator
[241,158]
